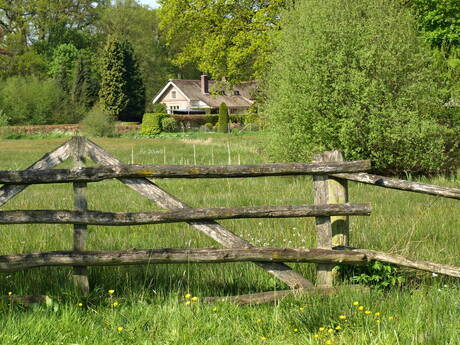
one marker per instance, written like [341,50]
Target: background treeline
[378,79]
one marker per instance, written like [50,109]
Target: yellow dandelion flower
[188,303]
[258,320]
[390,318]
[328,342]
[115,304]
[342,317]
[316,335]
[367,312]
[377,314]
[338,328]
[355,303]
[10,293]
[194,299]
[263,338]
[120,329]
[80,304]
[296,330]
[321,329]
[111,292]
[378,321]
[330,330]
[188,296]
[361,307]
[301,308]
[214,309]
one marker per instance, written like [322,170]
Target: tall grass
[152,309]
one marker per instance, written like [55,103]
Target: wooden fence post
[330,231]
[80,273]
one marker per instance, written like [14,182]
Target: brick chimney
[204,84]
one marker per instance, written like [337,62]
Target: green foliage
[439,22]
[97,123]
[355,76]
[223,118]
[168,124]
[31,101]
[4,118]
[62,65]
[211,118]
[84,84]
[159,108]
[122,92]
[151,123]
[129,21]
[222,38]
[376,274]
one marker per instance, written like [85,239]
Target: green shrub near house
[168,124]
[223,118]
[151,123]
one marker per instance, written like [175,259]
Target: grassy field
[148,304]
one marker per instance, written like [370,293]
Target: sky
[151,3]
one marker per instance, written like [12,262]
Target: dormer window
[173,94]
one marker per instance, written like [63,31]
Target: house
[200,96]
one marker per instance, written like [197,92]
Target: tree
[122,92]
[223,118]
[62,65]
[355,76]
[84,84]
[222,38]
[128,21]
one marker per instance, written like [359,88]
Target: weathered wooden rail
[331,210]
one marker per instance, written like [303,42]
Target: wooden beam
[80,232]
[49,160]
[98,173]
[394,183]
[338,255]
[212,229]
[193,214]
[11,263]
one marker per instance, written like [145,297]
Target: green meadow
[148,304]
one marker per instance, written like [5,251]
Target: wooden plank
[80,232]
[373,255]
[49,160]
[394,183]
[98,173]
[338,255]
[324,276]
[15,262]
[211,229]
[193,214]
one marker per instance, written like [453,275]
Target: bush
[31,101]
[97,123]
[211,118]
[168,124]
[4,119]
[223,118]
[151,123]
[354,76]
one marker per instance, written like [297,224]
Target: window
[236,93]
[173,94]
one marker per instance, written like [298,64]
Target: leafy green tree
[222,38]
[223,118]
[62,65]
[122,92]
[84,84]
[355,76]
[128,21]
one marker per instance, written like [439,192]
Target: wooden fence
[331,210]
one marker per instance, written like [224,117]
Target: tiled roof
[192,89]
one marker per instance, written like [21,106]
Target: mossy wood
[99,173]
[338,255]
[84,217]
